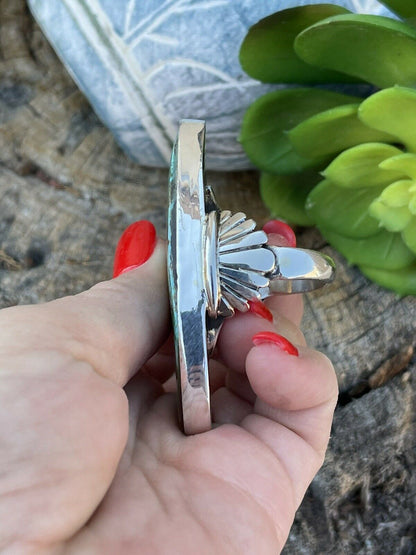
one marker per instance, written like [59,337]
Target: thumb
[116,325]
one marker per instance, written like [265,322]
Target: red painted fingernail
[275,339]
[283,229]
[135,246]
[260,309]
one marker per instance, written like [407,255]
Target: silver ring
[217,263]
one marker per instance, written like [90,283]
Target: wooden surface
[66,194]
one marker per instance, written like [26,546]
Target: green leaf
[392,111]
[360,165]
[404,162]
[263,133]
[385,250]
[409,235]
[406,9]
[412,202]
[332,131]
[392,219]
[401,281]
[397,194]
[393,207]
[343,211]
[267,52]
[376,49]
[285,195]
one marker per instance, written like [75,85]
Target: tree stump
[66,194]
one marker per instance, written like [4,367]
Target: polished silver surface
[186,283]
[300,270]
[210,266]
[218,263]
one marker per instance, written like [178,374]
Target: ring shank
[300,270]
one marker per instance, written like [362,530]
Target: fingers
[115,326]
[291,306]
[296,397]
[228,408]
[299,392]
[235,343]
[142,392]
[285,311]
[122,322]
[161,366]
[290,382]
[283,314]
[280,233]
[299,460]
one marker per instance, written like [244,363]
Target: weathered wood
[66,194]
[364,498]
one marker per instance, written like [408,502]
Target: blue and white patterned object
[145,64]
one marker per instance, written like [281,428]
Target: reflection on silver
[218,263]
[186,283]
[300,270]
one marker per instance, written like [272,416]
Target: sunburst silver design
[236,262]
[242,261]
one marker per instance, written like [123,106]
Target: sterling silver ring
[217,263]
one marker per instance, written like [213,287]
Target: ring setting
[217,263]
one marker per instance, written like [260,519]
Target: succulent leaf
[342,211]
[404,162]
[374,48]
[332,131]
[360,166]
[263,133]
[397,194]
[401,281]
[406,9]
[412,204]
[366,204]
[409,235]
[285,195]
[385,250]
[267,52]
[393,220]
[393,111]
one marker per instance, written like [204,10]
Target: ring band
[217,263]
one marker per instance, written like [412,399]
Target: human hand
[91,456]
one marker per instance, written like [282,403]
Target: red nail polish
[260,309]
[275,339]
[135,246]
[283,229]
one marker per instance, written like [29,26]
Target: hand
[91,456]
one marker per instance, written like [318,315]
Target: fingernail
[283,229]
[275,339]
[135,246]
[260,309]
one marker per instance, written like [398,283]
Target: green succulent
[346,164]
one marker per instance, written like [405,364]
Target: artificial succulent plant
[345,163]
